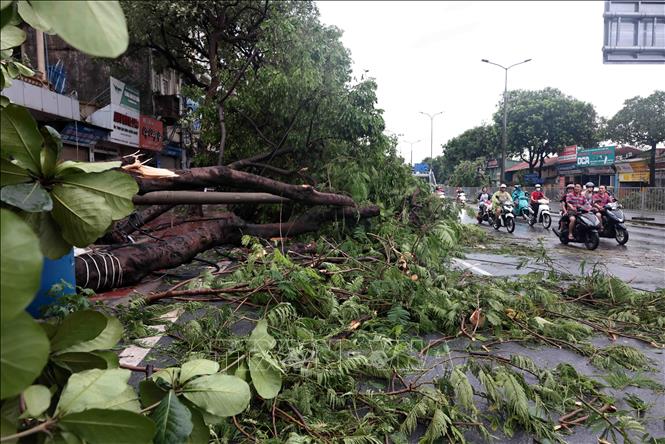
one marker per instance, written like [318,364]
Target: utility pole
[412,143]
[431,136]
[504,138]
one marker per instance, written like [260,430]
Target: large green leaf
[95,27]
[92,389]
[78,327]
[10,410]
[19,137]
[51,242]
[173,420]
[260,339]
[32,18]
[11,36]
[30,197]
[20,265]
[115,187]
[5,3]
[79,361]
[266,378]
[87,167]
[37,399]
[108,338]
[12,174]
[219,394]
[83,216]
[127,400]
[197,367]
[150,393]
[99,426]
[200,431]
[51,151]
[23,354]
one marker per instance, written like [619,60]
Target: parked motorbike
[613,223]
[585,229]
[507,218]
[522,207]
[485,212]
[543,215]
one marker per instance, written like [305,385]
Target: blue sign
[533,178]
[83,134]
[420,168]
[172,151]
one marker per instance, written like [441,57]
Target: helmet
[537,185]
[503,185]
[518,186]
[570,185]
[589,184]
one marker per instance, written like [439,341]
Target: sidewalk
[641,217]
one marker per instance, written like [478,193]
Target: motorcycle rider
[573,201]
[588,196]
[564,209]
[536,195]
[516,193]
[600,199]
[482,197]
[499,198]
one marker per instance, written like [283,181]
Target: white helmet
[503,185]
[537,185]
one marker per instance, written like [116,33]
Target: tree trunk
[106,269]
[200,197]
[222,133]
[136,220]
[652,166]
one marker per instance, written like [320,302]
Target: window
[627,31]
[165,86]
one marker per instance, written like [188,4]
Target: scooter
[485,212]
[522,206]
[613,223]
[585,229]
[507,218]
[543,215]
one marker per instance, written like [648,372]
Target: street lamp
[431,136]
[504,139]
[412,143]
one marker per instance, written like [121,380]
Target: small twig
[250,437]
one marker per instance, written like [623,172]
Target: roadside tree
[469,174]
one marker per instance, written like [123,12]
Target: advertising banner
[591,157]
[642,176]
[568,154]
[151,134]
[124,110]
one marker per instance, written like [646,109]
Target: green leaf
[32,18]
[5,3]
[260,340]
[82,216]
[9,417]
[115,187]
[19,137]
[86,167]
[221,395]
[172,419]
[92,389]
[51,242]
[37,399]
[96,28]
[168,375]
[4,101]
[127,400]
[51,151]
[11,37]
[11,174]
[78,362]
[200,431]
[150,392]
[266,378]
[24,70]
[23,353]
[98,426]
[20,265]
[30,197]
[108,338]
[197,367]
[111,357]
[77,327]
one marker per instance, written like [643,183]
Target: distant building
[634,31]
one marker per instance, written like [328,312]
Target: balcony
[42,99]
[168,108]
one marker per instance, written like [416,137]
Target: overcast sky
[425,56]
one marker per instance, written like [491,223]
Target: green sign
[593,157]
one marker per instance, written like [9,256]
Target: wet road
[641,262]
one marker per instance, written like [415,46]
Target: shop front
[633,173]
[80,140]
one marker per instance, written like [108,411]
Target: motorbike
[507,218]
[543,215]
[613,223]
[585,229]
[461,198]
[485,212]
[521,206]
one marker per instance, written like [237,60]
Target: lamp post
[412,143]
[504,138]
[431,136]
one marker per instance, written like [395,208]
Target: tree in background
[469,174]
[540,122]
[480,141]
[442,170]
[641,122]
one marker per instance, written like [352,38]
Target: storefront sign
[79,133]
[568,154]
[603,156]
[121,116]
[642,176]
[492,163]
[151,135]
[172,151]
[124,96]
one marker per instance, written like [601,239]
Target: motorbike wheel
[591,240]
[532,220]
[563,237]
[621,235]
[547,220]
[510,224]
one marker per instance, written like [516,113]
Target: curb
[646,223]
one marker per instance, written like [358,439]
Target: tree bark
[200,197]
[136,220]
[106,269]
[197,178]
[222,133]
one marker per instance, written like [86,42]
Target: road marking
[472,267]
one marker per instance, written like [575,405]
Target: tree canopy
[469,173]
[540,122]
[479,141]
[641,122]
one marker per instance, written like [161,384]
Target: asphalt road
[640,263]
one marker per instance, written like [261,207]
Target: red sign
[151,134]
[568,154]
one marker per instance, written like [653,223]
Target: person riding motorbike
[588,196]
[600,199]
[562,201]
[517,190]
[482,197]
[499,198]
[536,195]
[574,200]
